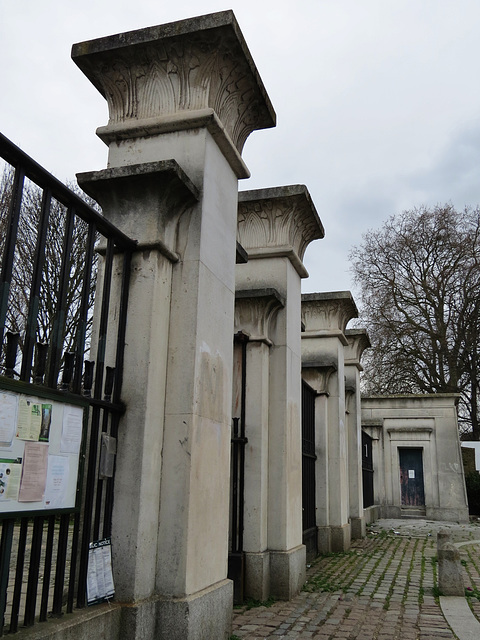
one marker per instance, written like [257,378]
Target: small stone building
[411,458]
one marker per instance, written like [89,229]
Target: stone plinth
[187,95]
[325,317]
[275,227]
[358,341]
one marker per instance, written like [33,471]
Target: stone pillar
[255,314]
[357,342]
[187,91]
[317,376]
[325,316]
[275,226]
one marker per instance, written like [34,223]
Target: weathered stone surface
[450,580]
[191,66]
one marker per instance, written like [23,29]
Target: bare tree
[24,263]
[419,277]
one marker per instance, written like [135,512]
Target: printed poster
[8,418]
[10,474]
[34,473]
[99,575]
[57,480]
[29,420]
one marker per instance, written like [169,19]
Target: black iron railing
[367,470]
[48,288]
[309,458]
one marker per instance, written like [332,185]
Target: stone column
[325,316]
[275,226]
[255,314]
[317,375]
[187,91]
[358,341]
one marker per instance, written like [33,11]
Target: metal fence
[367,470]
[309,458]
[50,246]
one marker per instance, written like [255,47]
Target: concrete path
[383,588]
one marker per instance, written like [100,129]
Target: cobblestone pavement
[383,588]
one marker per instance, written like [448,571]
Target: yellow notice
[29,419]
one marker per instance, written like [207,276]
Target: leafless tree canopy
[419,277]
[24,263]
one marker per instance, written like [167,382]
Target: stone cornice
[278,222]
[325,334]
[145,201]
[328,311]
[358,341]
[255,310]
[186,66]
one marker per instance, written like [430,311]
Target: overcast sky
[377,101]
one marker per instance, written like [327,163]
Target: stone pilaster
[255,314]
[358,341]
[189,92]
[275,226]
[317,375]
[325,316]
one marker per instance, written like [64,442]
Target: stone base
[358,528]
[205,614]
[101,621]
[324,539]
[287,572]
[257,575]
[138,620]
[341,538]
[371,514]
[459,515]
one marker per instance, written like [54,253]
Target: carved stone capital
[358,341]
[255,310]
[183,67]
[144,201]
[328,311]
[317,374]
[281,221]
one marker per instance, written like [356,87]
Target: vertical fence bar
[60,313]
[17,590]
[39,260]
[5,551]
[47,569]
[33,571]
[9,252]
[60,565]
[84,309]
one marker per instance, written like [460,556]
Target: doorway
[411,477]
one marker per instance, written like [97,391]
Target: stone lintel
[255,309]
[278,222]
[358,341]
[189,65]
[145,201]
[328,311]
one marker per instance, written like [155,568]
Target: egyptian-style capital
[187,70]
[255,311]
[329,311]
[276,221]
[358,341]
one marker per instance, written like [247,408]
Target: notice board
[40,448]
